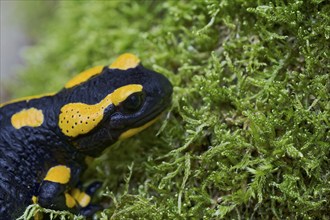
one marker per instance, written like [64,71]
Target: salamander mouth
[151,115]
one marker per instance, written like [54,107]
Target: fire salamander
[45,140]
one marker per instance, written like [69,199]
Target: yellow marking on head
[79,118]
[59,174]
[34,199]
[70,202]
[84,76]
[27,98]
[123,92]
[31,117]
[134,131]
[125,61]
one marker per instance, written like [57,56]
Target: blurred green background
[21,24]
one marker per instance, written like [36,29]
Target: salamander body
[44,141]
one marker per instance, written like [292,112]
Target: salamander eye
[132,103]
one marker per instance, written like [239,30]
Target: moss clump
[248,134]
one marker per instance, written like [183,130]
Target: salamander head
[122,100]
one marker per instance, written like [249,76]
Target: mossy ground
[247,136]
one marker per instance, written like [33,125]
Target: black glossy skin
[26,154]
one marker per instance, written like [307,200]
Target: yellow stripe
[27,98]
[59,174]
[125,61]
[134,131]
[121,94]
[84,76]
[80,118]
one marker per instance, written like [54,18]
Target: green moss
[248,133]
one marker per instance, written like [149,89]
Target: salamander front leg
[83,199]
[53,191]
[57,191]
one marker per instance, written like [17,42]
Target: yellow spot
[59,174]
[27,98]
[34,199]
[125,62]
[84,76]
[69,200]
[134,131]
[79,118]
[31,117]
[82,198]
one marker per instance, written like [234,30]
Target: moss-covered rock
[247,136]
